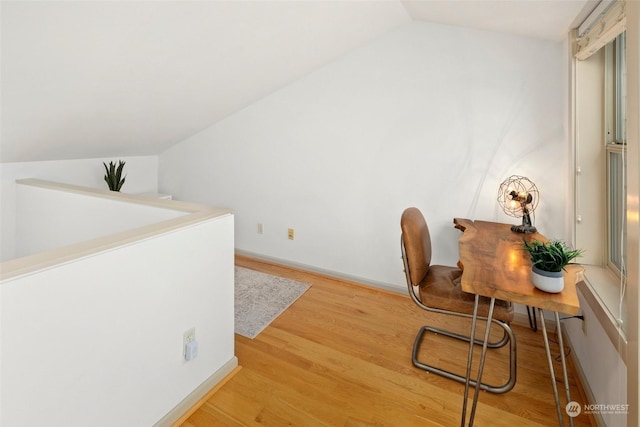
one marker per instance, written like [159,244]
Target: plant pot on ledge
[548,260]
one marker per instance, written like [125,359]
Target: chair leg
[497,344]
[508,336]
[533,320]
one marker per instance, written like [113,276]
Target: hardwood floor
[341,356]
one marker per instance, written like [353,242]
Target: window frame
[615,145]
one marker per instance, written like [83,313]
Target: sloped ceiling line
[84,79]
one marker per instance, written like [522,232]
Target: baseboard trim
[522,319]
[329,273]
[201,394]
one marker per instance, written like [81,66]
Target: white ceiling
[544,19]
[85,79]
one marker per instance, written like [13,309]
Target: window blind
[601,26]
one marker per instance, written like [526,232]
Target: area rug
[260,298]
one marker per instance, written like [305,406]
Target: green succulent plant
[113,177]
[553,255]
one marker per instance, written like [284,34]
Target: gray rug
[260,298]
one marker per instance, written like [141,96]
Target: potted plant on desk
[548,260]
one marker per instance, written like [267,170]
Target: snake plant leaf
[113,176]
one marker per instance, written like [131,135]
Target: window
[615,150]
[600,185]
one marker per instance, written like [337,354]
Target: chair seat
[442,289]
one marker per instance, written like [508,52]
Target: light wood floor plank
[341,356]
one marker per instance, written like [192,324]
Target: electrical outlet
[291,234]
[188,336]
[260,228]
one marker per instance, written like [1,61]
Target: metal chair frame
[507,336]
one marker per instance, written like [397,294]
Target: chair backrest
[417,244]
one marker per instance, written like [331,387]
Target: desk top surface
[495,265]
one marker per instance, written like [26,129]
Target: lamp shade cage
[518,197]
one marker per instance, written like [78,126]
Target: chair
[437,288]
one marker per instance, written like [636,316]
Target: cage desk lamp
[518,197]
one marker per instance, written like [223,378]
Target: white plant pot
[548,281]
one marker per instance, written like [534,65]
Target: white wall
[600,363]
[142,176]
[633,207]
[99,340]
[47,219]
[427,115]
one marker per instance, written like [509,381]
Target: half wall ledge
[193,213]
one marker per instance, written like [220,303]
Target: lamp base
[526,229]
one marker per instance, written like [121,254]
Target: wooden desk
[496,266]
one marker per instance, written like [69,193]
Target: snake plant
[113,177]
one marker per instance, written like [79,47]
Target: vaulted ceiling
[87,79]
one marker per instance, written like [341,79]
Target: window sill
[601,290]
[606,286]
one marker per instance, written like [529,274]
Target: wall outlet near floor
[188,336]
[189,344]
[291,234]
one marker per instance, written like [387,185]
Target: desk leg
[553,375]
[482,359]
[567,391]
[469,359]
